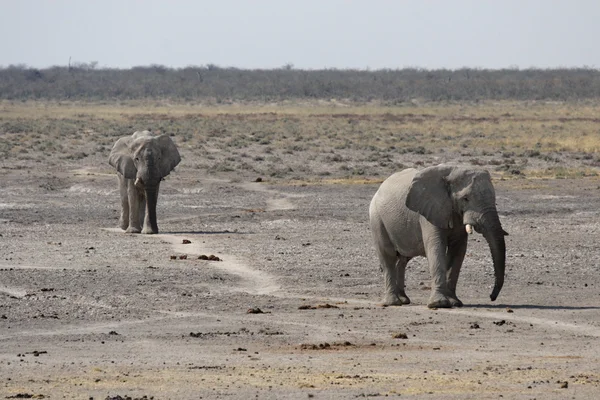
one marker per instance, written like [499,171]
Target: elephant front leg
[151,198]
[456,253]
[135,200]
[146,228]
[124,219]
[435,250]
[144,216]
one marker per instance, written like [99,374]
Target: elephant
[142,160]
[430,213]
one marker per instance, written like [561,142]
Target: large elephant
[142,160]
[430,213]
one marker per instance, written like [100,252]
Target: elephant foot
[132,229]
[438,300]
[395,299]
[149,231]
[455,302]
[123,224]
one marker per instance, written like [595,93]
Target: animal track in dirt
[14,292]
[546,323]
[81,188]
[279,201]
[254,281]
[91,171]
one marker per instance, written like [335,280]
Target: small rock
[186,241]
[21,396]
[183,257]
[327,305]
[259,179]
[400,335]
[254,310]
[564,385]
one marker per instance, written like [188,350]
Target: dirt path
[277,200]
[253,281]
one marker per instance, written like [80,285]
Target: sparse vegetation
[304,140]
[84,81]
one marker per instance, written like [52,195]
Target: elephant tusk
[469,228]
[138,182]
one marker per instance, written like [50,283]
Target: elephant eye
[465,199]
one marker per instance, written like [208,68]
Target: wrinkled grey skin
[424,213]
[142,160]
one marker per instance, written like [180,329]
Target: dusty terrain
[87,311]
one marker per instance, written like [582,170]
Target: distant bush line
[86,82]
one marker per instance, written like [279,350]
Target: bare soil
[292,308]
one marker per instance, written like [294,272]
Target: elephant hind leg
[392,265]
[401,273]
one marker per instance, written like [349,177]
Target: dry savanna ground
[292,309]
[321,139]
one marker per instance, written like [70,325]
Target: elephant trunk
[494,235]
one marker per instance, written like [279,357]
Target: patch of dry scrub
[318,141]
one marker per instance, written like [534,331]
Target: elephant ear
[120,158]
[429,195]
[169,155]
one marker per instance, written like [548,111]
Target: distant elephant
[142,160]
[430,213]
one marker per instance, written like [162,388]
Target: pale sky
[310,34]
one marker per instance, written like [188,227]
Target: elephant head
[145,158]
[447,195]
